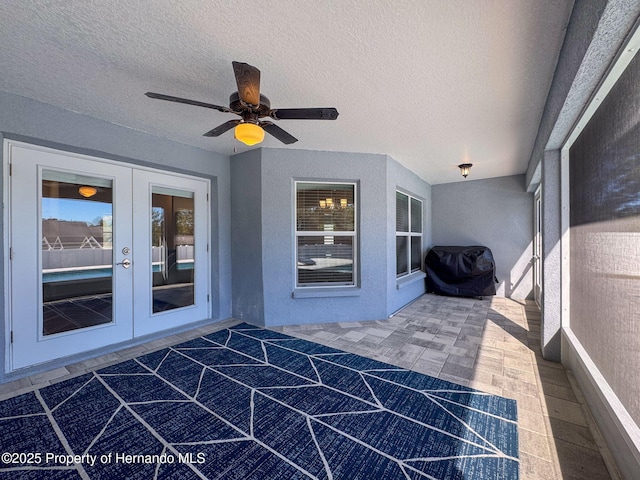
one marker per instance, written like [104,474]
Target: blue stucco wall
[280,168]
[246,237]
[496,213]
[400,292]
[253,271]
[263,183]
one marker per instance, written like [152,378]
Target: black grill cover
[461,271]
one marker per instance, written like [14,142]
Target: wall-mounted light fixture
[87,191]
[249,133]
[465,168]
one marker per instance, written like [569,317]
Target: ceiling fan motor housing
[237,105]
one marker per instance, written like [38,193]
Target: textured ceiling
[431,83]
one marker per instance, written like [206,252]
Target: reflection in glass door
[77,251]
[170,238]
[172,249]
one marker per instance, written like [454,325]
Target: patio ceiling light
[465,168]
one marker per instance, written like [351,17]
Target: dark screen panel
[605,159]
[604,237]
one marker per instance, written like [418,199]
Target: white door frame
[19,155]
[537,246]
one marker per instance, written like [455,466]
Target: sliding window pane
[326,259]
[402,212]
[416,253]
[319,205]
[416,216]
[401,255]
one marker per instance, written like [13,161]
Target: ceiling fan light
[87,191]
[249,133]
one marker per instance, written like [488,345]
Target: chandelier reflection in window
[329,203]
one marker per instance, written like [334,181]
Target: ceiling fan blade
[279,133]
[248,80]
[169,98]
[220,129]
[304,114]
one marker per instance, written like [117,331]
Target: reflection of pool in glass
[181,265]
[83,274]
[86,274]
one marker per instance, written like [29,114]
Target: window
[325,234]
[408,234]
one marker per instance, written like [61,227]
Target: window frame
[409,234]
[337,233]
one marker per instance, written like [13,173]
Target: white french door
[170,268]
[99,253]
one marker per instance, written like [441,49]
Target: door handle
[126,263]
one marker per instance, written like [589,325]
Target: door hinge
[10,253]
[10,169]
[11,336]
[207,247]
[207,197]
[208,298]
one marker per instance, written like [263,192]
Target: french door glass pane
[77,259]
[172,248]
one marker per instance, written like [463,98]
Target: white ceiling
[432,83]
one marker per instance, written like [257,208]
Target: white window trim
[410,235]
[315,289]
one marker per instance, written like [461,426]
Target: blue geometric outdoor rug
[248,403]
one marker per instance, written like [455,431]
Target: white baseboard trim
[620,433]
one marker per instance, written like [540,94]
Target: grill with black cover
[461,271]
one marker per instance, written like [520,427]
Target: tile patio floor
[492,345]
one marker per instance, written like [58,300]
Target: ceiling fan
[249,104]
